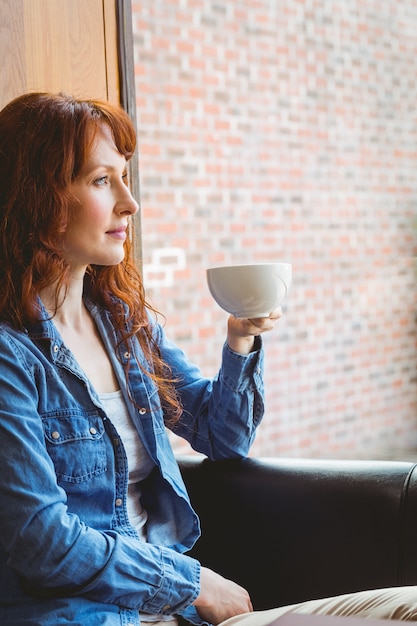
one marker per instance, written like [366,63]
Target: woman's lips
[118,233]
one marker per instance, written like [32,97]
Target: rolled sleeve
[179,586]
[221,414]
[240,371]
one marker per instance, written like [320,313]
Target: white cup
[249,291]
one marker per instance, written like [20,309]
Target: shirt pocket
[75,443]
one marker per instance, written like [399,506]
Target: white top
[139,462]
[139,465]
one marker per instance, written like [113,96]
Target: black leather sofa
[290,530]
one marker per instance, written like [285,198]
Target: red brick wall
[287,130]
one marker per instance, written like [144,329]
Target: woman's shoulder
[23,338]
[15,344]
[8,331]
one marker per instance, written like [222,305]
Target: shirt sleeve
[221,414]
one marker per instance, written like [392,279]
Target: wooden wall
[59,45]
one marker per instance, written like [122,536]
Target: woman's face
[100,207]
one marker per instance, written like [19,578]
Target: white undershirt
[139,465]
[138,460]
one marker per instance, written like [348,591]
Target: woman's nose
[126,202]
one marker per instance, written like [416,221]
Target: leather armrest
[291,529]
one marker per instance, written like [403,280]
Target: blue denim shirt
[68,553]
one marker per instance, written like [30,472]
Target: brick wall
[287,130]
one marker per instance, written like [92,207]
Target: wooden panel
[59,45]
[112,51]
[12,53]
[64,42]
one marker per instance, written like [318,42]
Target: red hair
[45,140]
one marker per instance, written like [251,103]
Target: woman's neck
[81,336]
[66,307]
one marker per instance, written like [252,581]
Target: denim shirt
[68,553]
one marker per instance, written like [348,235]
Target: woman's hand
[220,598]
[241,332]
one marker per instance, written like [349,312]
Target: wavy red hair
[44,141]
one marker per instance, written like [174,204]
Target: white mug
[250,291]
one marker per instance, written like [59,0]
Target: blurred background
[287,130]
[268,130]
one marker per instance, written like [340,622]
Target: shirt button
[142,411]
[93,431]
[118,502]
[166,607]
[55,435]
[55,348]
[127,355]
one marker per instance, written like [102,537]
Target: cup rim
[246,265]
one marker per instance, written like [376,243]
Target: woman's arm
[221,414]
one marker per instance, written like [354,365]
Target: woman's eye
[101,181]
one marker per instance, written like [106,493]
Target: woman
[93,512]
[95,520]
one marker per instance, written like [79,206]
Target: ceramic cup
[248,291]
